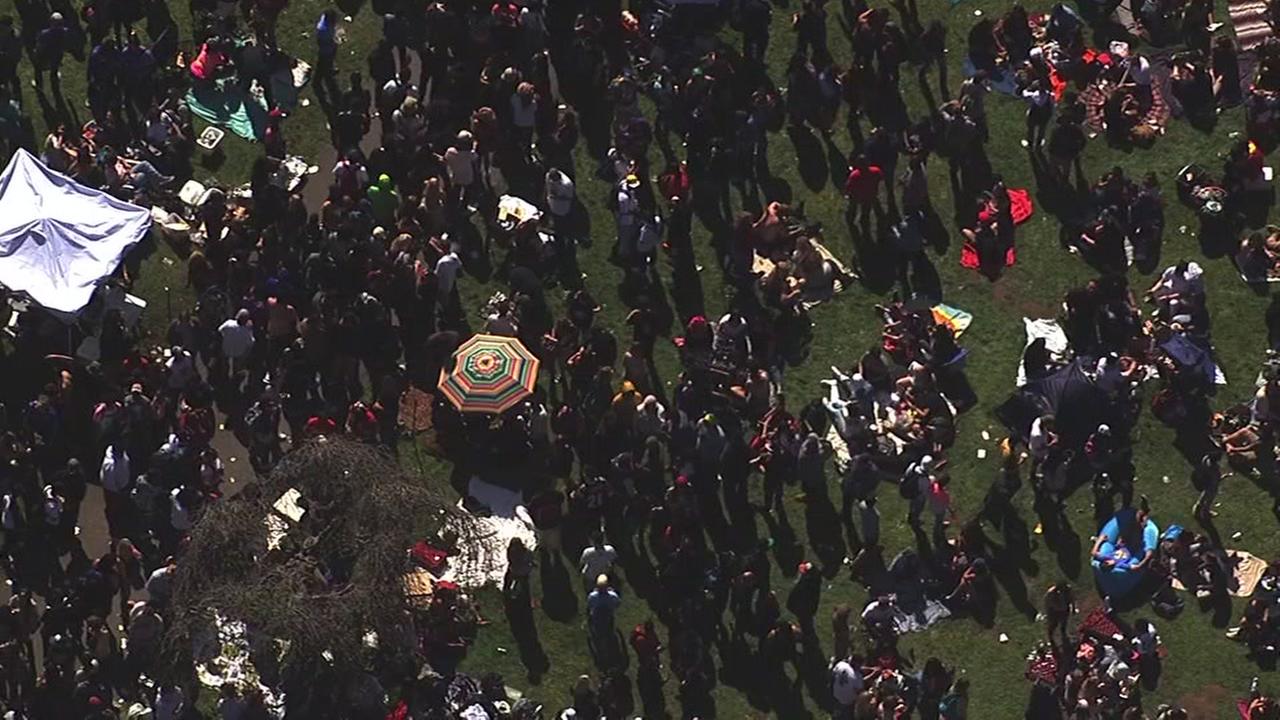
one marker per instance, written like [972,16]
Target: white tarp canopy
[58,238]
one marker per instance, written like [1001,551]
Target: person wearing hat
[50,48]
[384,199]
[1100,447]
[627,214]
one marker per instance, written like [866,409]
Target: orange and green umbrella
[491,374]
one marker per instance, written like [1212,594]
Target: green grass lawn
[1201,664]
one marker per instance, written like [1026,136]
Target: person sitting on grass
[1255,259]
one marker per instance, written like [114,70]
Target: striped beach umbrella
[491,374]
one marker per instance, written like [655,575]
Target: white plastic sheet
[58,238]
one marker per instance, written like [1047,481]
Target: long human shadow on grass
[1060,536]
[1054,195]
[822,525]
[811,161]
[787,551]
[876,266]
[812,666]
[838,163]
[524,630]
[652,700]
[921,278]
[559,599]
[1009,561]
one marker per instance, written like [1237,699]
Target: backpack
[909,486]
[1167,603]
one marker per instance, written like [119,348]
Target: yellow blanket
[1247,570]
[763,266]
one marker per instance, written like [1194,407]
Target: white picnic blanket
[482,555]
[1054,339]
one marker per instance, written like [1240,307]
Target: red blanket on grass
[1021,207]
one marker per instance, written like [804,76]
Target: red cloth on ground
[428,556]
[1020,205]
[1099,623]
[969,257]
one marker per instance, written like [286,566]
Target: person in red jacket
[862,187]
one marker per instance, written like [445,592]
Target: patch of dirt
[1008,294]
[1207,702]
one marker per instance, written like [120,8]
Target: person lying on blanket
[1191,559]
[814,275]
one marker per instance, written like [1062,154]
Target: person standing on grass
[327,50]
[50,48]
[1058,606]
[602,607]
[1207,478]
[1039,112]
[862,188]
[940,504]
[916,486]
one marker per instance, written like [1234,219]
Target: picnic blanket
[1095,98]
[1021,208]
[1099,623]
[932,612]
[1055,340]
[763,266]
[955,318]
[230,105]
[1247,570]
[1002,80]
[1249,20]
[482,559]
[1161,76]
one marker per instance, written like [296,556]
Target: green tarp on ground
[228,104]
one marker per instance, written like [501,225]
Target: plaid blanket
[1095,98]
[1249,20]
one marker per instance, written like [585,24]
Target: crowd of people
[316,319]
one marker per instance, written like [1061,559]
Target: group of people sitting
[1127,222]
[1098,671]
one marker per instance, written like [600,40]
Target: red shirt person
[863,184]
